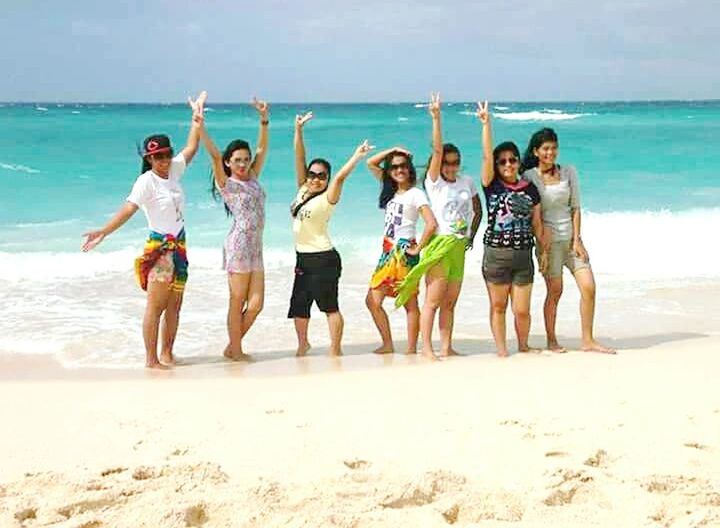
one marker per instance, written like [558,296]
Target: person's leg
[301,330]
[239,287]
[336,324]
[255,300]
[374,303]
[554,287]
[413,324]
[520,299]
[170,322]
[447,318]
[498,294]
[158,293]
[586,284]
[436,289]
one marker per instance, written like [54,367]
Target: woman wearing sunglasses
[236,176]
[513,207]
[162,269]
[560,194]
[318,265]
[456,206]
[403,204]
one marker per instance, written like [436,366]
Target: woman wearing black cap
[162,269]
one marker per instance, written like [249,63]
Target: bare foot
[227,352]
[554,346]
[335,353]
[302,350]
[384,349]
[242,356]
[503,353]
[411,352]
[156,365]
[449,353]
[429,354]
[167,358]
[529,350]
[594,346]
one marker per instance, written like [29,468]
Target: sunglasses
[507,161]
[162,155]
[312,175]
[455,163]
[398,166]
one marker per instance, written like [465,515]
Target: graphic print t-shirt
[509,210]
[162,199]
[401,214]
[452,204]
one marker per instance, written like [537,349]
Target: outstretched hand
[262,107]
[93,238]
[434,106]
[198,106]
[363,149]
[483,113]
[301,119]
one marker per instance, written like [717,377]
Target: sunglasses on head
[312,175]
[507,161]
[398,166]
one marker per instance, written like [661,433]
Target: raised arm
[336,184]
[299,143]
[437,142]
[93,238]
[487,173]
[375,160]
[262,141]
[216,157]
[193,140]
[430,227]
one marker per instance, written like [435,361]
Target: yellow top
[310,225]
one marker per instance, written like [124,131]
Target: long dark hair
[544,135]
[390,186]
[236,144]
[448,148]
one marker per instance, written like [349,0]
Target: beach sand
[534,440]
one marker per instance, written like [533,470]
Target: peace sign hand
[198,106]
[482,112]
[261,106]
[301,119]
[363,149]
[434,106]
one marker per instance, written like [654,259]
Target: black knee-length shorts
[316,280]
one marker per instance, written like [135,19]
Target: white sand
[542,440]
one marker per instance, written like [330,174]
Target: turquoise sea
[648,173]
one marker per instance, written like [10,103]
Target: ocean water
[648,173]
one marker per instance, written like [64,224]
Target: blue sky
[325,50]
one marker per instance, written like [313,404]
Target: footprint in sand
[570,483]
[26,514]
[356,463]
[144,473]
[599,459]
[695,445]
[196,515]
[112,471]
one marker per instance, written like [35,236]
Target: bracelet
[265,122]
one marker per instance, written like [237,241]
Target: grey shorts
[508,266]
[561,254]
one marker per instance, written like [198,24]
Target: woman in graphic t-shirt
[318,266]
[456,206]
[162,269]
[403,204]
[514,218]
[236,177]
[560,201]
